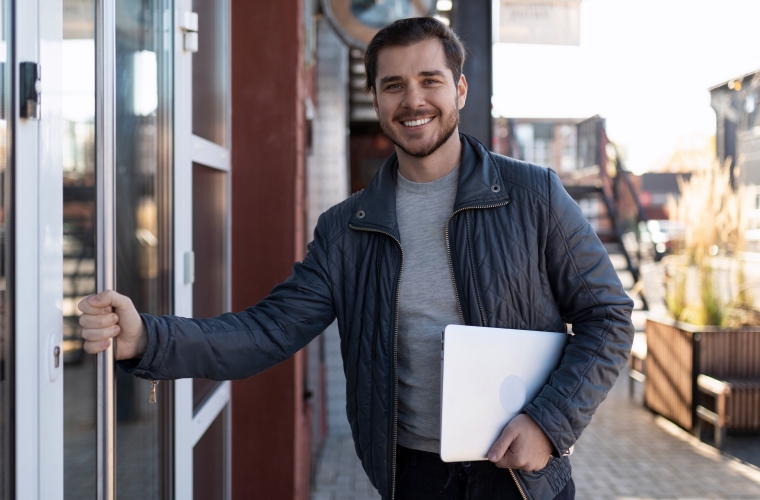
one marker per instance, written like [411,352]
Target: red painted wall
[270,429]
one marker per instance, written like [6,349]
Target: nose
[414,97]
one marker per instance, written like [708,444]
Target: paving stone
[627,453]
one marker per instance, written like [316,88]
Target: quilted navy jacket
[522,256]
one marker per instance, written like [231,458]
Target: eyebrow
[394,78]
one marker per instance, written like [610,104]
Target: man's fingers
[89,308]
[100,334]
[501,445]
[96,347]
[98,320]
[106,298]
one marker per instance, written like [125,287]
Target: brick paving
[627,453]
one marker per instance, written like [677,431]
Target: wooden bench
[737,405]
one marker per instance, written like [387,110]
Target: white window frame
[190,426]
[38,242]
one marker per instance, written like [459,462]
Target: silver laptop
[487,376]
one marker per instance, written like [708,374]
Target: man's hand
[522,445]
[109,315]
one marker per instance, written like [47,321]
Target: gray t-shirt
[427,304]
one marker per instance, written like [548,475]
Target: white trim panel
[50,244]
[183,242]
[210,154]
[207,413]
[26,201]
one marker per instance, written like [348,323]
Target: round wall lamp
[357,21]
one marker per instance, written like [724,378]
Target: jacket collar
[479,186]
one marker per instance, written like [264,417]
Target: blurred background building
[234,124]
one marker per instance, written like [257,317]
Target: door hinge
[188,23]
[30,89]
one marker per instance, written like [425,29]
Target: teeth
[416,123]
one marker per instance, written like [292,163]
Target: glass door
[117,224]
[7,357]
[202,234]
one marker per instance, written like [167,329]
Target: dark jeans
[424,476]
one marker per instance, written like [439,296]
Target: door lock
[30,89]
[54,350]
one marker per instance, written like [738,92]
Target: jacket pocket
[546,483]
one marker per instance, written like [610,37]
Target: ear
[374,103]
[461,91]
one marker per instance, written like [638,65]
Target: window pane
[79,369]
[210,72]
[209,456]
[143,238]
[209,245]
[143,137]
[6,333]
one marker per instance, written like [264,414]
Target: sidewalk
[627,453]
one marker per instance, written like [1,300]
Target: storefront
[117,125]
[122,169]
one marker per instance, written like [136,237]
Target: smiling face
[416,99]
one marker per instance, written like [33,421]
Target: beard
[449,123]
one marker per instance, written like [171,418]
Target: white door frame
[38,240]
[188,149]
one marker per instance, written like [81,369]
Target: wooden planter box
[677,353]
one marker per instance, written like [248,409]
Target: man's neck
[429,168]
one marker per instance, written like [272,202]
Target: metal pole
[105,95]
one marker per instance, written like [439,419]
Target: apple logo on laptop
[512,394]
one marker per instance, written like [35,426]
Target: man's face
[415,97]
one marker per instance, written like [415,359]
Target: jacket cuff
[145,367]
[553,422]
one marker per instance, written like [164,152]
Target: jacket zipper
[395,355]
[480,307]
[153,385]
[451,265]
[514,476]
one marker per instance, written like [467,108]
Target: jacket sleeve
[591,298]
[235,346]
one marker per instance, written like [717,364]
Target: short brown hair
[405,32]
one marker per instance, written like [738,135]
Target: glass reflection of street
[137,239]
[379,14]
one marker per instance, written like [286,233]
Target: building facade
[180,152]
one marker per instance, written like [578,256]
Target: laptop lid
[487,376]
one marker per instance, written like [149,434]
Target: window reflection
[377,14]
[6,345]
[210,72]
[209,245]
[78,142]
[143,137]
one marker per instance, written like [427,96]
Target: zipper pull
[153,385]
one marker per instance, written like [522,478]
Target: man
[446,232]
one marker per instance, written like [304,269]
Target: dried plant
[714,221]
